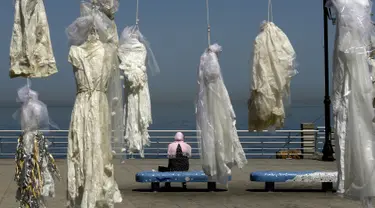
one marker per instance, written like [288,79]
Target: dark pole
[327,149]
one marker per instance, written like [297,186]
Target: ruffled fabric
[136,79]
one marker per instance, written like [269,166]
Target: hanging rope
[28,82]
[270,12]
[137,14]
[208,24]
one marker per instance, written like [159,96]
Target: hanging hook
[208,24]
[137,14]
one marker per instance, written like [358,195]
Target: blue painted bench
[271,177]
[155,178]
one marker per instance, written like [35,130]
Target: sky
[177,32]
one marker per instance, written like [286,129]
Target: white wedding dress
[137,109]
[93,54]
[90,169]
[352,100]
[219,145]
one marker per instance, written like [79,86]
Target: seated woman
[179,153]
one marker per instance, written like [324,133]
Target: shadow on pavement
[177,189]
[288,190]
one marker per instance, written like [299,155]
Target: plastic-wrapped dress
[220,147]
[31,52]
[372,71]
[91,180]
[273,67]
[115,89]
[133,53]
[372,68]
[352,100]
[36,171]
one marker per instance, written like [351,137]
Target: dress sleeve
[74,57]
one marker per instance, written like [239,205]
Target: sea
[166,116]
[177,116]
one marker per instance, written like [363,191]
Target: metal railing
[320,137]
[255,144]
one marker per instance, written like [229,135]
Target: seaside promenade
[242,193]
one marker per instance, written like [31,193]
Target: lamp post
[327,149]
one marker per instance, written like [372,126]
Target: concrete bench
[271,177]
[155,178]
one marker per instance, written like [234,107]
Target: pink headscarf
[179,140]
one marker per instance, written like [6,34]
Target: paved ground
[242,193]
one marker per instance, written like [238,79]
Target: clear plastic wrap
[352,100]
[219,145]
[272,70]
[116,104]
[33,114]
[91,17]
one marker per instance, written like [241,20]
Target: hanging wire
[28,81]
[208,24]
[270,12]
[137,14]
